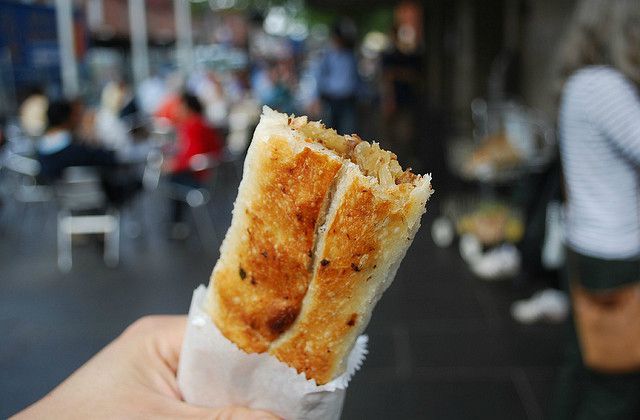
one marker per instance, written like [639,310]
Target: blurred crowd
[192,121]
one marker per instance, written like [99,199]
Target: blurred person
[306,95]
[33,112]
[86,129]
[504,82]
[260,80]
[116,132]
[195,137]
[338,80]
[599,127]
[243,115]
[150,93]
[129,108]
[110,130]
[206,86]
[168,111]
[59,149]
[277,93]
[542,247]
[401,67]
[132,377]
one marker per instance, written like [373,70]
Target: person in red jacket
[194,137]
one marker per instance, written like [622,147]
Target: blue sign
[29,45]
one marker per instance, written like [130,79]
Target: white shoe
[470,248]
[497,264]
[548,305]
[442,232]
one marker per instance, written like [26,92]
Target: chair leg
[131,225]
[112,244]
[65,261]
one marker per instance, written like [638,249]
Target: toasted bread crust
[352,267]
[350,254]
[262,280]
[319,228]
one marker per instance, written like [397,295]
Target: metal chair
[26,198]
[83,209]
[25,187]
[152,170]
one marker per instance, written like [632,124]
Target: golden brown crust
[338,299]
[320,226]
[260,287]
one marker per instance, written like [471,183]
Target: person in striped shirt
[599,129]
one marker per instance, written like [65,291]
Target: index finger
[164,332]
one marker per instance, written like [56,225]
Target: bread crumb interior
[371,159]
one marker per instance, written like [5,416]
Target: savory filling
[370,158]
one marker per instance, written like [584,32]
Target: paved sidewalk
[442,343]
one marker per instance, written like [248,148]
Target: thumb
[234,413]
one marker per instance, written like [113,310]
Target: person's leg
[610,397]
[583,394]
[571,377]
[120,185]
[328,113]
[181,179]
[347,117]
[177,211]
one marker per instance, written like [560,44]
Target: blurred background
[159,99]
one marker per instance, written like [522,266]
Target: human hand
[133,377]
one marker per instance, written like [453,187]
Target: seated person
[167,114]
[111,131]
[115,130]
[32,112]
[194,137]
[58,150]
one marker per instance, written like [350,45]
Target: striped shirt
[599,127]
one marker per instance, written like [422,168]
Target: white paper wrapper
[214,372]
